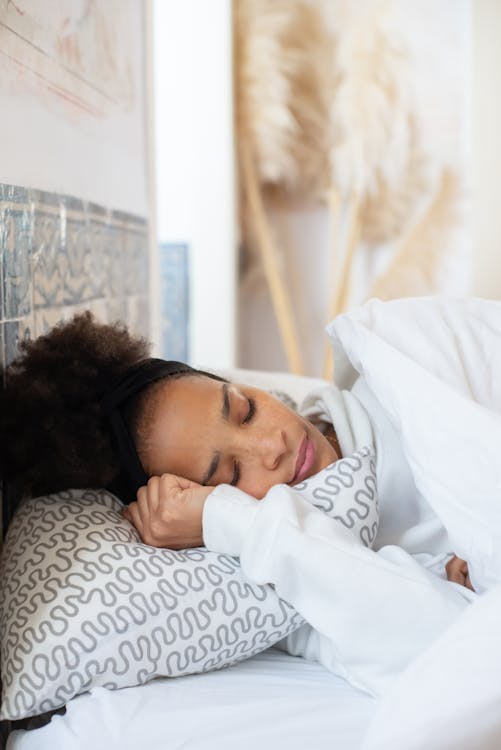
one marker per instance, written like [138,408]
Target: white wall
[72,100]
[486,32]
[195,163]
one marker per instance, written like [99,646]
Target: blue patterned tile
[77,280]
[60,255]
[49,259]
[2,356]
[103,264]
[174,294]
[98,308]
[14,332]
[138,315]
[14,194]
[15,248]
[134,247]
[116,309]
[46,318]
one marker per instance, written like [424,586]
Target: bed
[273,700]
[449,698]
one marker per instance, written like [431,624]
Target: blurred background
[226,177]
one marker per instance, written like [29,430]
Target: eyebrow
[212,468]
[225,414]
[225,409]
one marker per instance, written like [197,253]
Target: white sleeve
[372,612]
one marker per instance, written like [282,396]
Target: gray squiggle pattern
[83,603]
[347,491]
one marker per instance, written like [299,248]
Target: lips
[305,460]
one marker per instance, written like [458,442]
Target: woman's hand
[457,571]
[168,512]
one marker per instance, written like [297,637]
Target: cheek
[326,453]
[257,489]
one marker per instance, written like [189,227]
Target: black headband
[132,382]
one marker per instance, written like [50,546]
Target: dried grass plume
[416,266]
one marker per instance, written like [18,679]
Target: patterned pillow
[83,603]
[347,491]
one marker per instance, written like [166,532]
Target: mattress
[273,700]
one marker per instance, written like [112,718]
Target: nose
[271,447]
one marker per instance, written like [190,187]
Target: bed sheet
[273,700]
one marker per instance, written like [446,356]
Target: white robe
[372,612]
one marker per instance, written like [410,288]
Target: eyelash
[251,412]
[248,418]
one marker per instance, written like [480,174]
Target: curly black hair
[52,432]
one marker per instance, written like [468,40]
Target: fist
[168,512]
[457,571]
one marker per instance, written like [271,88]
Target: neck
[330,434]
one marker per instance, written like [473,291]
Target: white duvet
[432,364]
[435,366]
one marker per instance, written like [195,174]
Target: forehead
[180,399]
[183,423]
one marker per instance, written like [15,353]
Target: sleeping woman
[200,461]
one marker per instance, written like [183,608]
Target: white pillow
[84,603]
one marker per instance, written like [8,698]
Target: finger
[452,565]
[135,518]
[153,495]
[468,582]
[454,573]
[457,572]
[143,504]
[176,481]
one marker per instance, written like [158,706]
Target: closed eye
[248,418]
[251,412]
[236,475]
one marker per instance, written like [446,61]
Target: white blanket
[449,697]
[432,365]
[435,366]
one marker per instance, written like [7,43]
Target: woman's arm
[374,611]
[168,512]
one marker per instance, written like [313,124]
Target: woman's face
[222,433]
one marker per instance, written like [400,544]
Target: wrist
[227,516]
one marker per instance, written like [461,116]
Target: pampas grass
[283,90]
[415,268]
[325,113]
[391,207]
[322,94]
[371,103]
[271,260]
[284,83]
